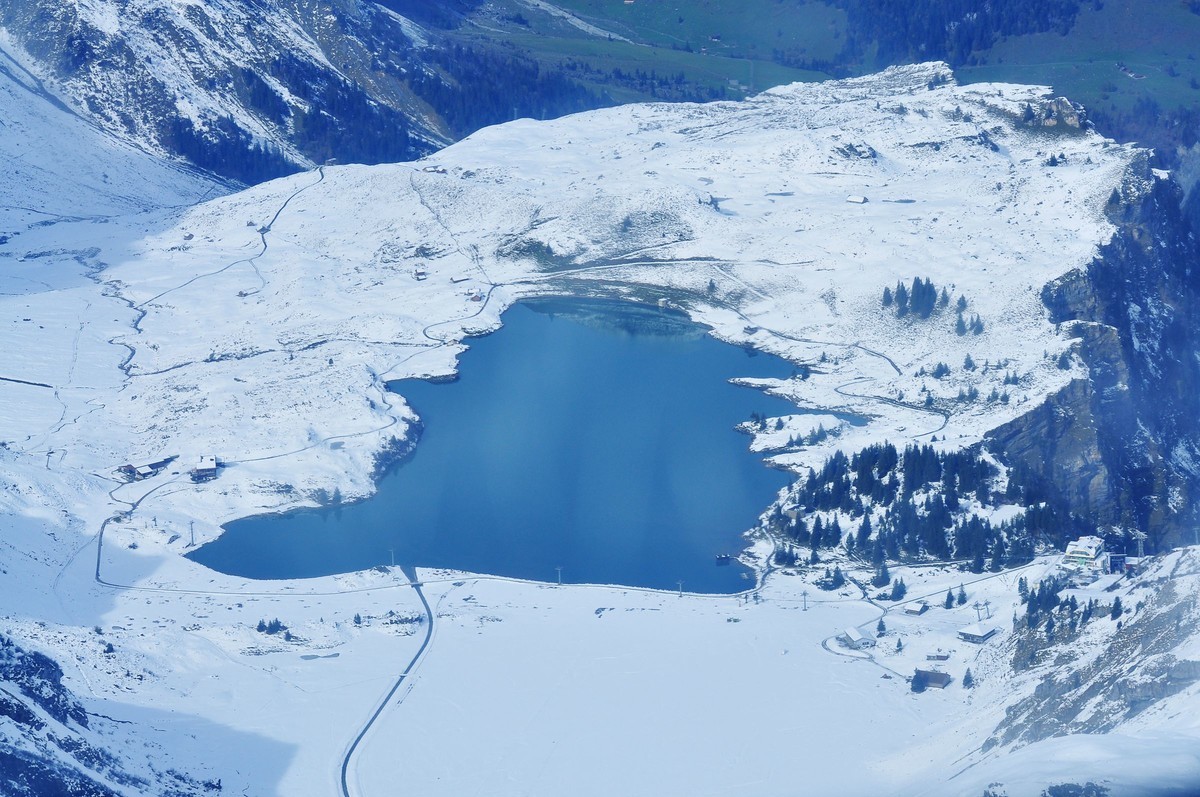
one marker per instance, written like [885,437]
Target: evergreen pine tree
[880,628]
[968,680]
[962,595]
[997,561]
[833,535]
[899,645]
[864,531]
[882,577]
[1117,609]
[887,297]
[949,602]
[977,562]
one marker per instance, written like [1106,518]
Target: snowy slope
[57,165]
[261,327]
[222,80]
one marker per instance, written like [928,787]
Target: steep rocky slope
[247,89]
[1119,448]
[50,745]
[253,90]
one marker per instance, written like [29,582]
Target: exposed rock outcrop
[1121,449]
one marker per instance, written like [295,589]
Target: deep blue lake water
[593,436]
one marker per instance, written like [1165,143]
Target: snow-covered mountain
[251,89]
[59,166]
[254,90]
[260,326]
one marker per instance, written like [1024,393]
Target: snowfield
[261,326]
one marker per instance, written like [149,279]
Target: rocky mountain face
[249,90]
[254,90]
[49,744]
[1119,449]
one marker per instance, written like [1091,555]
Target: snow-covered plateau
[260,327]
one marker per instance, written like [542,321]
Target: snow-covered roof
[978,630]
[1087,546]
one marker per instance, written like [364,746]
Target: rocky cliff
[1118,450]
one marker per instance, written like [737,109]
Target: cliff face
[1121,448]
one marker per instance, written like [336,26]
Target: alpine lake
[588,440]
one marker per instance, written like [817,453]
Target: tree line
[919,503]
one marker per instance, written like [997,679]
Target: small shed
[977,633]
[934,678]
[915,609]
[855,639]
[856,199]
[939,656]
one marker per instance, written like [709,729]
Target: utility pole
[987,605]
[392,551]
[192,526]
[559,569]
[680,582]
[804,595]
[978,611]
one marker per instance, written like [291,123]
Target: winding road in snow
[387,699]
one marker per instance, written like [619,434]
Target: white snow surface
[260,327]
[59,167]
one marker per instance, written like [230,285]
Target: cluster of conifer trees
[1049,617]
[949,30]
[920,300]
[924,495]
[487,86]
